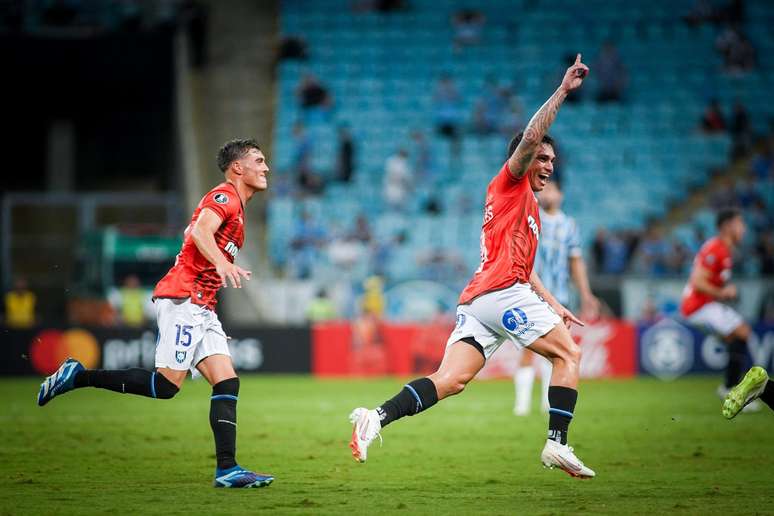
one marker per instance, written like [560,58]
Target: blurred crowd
[651,252]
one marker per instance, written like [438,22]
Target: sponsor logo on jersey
[221,198]
[180,356]
[460,320]
[515,321]
[533,226]
[666,349]
[232,249]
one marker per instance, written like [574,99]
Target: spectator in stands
[736,48]
[312,95]
[651,254]
[616,254]
[611,74]
[468,25]
[764,248]
[713,121]
[421,157]
[293,47]
[308,238]
[488,109]
[438,264]
[308,181]
[321,308]
[512,120]
[762,165]
[345,251]
[362,230]
[447,108]
[397,179]
[131,302]
[20,306]
[677,259]
[702,11]
[741,131]
[345,165]
[598,249]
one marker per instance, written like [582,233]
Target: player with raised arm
[708,289]
[190,334]
[559,258]
[505,300]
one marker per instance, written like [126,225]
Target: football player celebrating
[505,300]
[190,334]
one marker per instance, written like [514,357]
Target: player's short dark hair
[233,150]
[726,215]
[516,139]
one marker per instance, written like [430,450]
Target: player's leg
[180,330]
[544,366]
[523,380]
[462,360]
[213,361]
[754,385]
[564,354]
[736,341]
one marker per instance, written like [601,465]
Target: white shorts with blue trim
[516,314]
[716,318]
[188,333]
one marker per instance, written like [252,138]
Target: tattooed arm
[542,120]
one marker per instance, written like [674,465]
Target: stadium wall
[611,348]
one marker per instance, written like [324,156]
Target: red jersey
[509,236]
[193,276]
[715,256]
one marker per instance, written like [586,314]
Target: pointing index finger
[578,59]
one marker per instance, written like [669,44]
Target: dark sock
[562,402]
[128,381]
[767,396]
[223,421]
[416,396]
[737,354]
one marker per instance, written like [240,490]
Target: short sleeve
[573,239]
[224,203]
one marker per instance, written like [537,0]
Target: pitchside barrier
[40,351]
[611,348]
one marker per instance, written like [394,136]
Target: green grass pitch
[656,447]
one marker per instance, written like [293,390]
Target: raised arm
[542,120]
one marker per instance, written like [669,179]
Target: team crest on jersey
[221,198]
[180,356]
[515,321]
[460,320]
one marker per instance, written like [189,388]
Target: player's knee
[164,388]
[570,353]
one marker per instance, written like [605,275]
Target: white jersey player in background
[559,256]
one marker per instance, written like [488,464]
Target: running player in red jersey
[190,335]
[703,304]
[505,300]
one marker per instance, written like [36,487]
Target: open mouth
[544,177]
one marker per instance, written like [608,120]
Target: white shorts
[516,313]
[188,333]
[716,318]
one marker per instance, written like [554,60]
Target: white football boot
[365,428]
[561,456]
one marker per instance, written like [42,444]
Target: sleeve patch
[220,198]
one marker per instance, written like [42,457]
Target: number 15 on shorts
[183,336]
